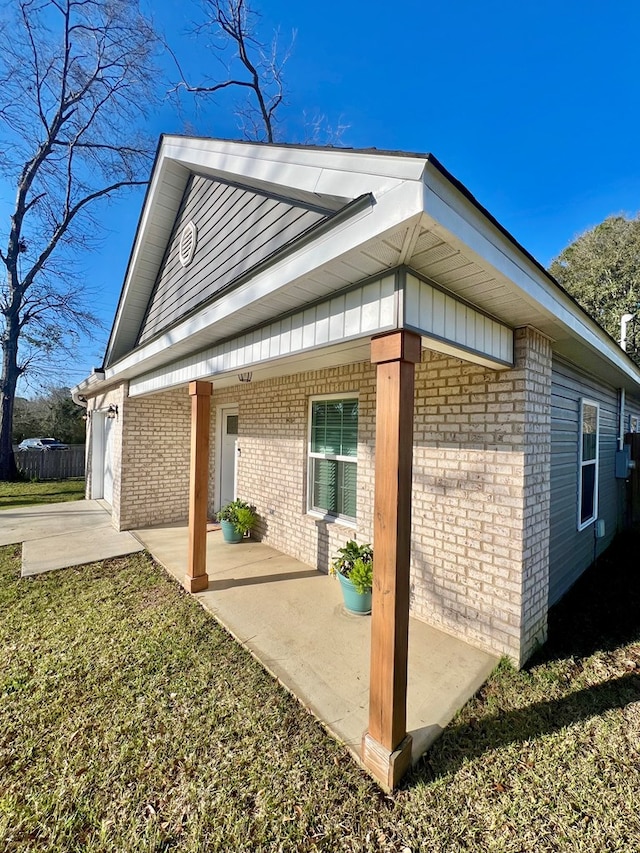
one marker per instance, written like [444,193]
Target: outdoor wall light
[245,377]
[112,411]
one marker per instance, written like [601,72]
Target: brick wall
[155,459]
[481,497]
[533,351]
[481,485]
[272,466]
[151,445]
[481,482]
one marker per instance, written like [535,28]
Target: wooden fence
[51,464]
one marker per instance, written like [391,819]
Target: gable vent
[188,243]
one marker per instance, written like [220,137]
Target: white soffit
[525,296]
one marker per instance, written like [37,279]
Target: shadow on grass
[471,739]
[600,613]
[602,609]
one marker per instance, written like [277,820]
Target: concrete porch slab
[56,536]
[291,618]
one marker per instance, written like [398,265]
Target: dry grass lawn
[129,721]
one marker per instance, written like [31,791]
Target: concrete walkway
[59,535]
[291,617]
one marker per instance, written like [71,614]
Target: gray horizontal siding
[571,550]
[237,229]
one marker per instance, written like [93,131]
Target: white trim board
[453,328]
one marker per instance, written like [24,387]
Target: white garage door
[107,491]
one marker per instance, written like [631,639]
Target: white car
[42,444]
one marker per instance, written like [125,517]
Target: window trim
[582,525]
[318,512]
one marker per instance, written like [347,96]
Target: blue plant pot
[230,534]
[354,601]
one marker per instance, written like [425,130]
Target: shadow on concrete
[322,550]
[230,583]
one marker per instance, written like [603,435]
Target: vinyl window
[333,452]
[588,473]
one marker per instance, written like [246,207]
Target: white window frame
[583,463]
[345,520]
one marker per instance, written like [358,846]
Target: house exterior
[350,341]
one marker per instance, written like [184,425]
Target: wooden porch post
[386,746]
[197,579]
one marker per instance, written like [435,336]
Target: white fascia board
[453,215]
[332,172]
[395,207]
[145,226]
[327,172]
[94,384]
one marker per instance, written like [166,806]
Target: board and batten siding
[571,551]
[236,229]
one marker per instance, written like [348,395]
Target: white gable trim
[338,172]
[458,221]
[394,208]
[333,172]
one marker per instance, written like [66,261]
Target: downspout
[621,430]
[77,395]
[78,399]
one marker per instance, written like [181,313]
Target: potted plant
[354,569]
[236,519]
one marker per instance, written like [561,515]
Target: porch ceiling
[445,260]
[338,331]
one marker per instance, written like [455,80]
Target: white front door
[227,459]
[107,490]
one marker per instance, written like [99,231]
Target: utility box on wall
[624,463]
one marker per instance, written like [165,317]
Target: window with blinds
[333,452]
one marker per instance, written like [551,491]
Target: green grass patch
[20,493]
[129,720]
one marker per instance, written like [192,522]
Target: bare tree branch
[252,65]
[77,77]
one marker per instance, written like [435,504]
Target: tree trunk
[8,384]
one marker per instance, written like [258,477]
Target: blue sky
[533,106]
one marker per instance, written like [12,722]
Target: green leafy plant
[362,576]
[356,563]
[239,513]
